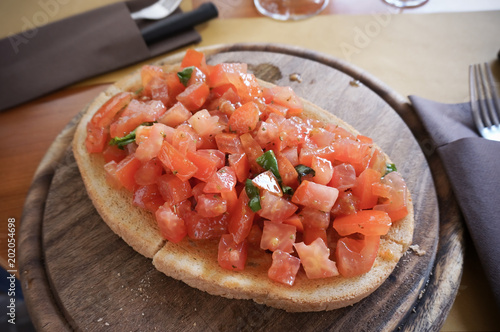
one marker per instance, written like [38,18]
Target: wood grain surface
[77,274]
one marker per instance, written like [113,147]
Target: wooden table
[423,51]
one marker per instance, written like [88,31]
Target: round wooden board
[77,274]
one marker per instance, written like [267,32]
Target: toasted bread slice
[195,262]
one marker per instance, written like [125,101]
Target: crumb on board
[416,249]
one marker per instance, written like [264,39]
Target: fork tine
[494,104]
[474,98]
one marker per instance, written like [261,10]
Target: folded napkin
[472,164]
[44,59]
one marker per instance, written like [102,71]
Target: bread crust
[195,261]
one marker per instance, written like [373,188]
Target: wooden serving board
[78,275]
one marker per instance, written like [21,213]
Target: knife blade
[176,23]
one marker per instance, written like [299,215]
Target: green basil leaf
[303,170]
[254,195]
[269,162]
[390,168]
[185,75]
[120,142]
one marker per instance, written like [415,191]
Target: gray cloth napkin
[472,164]
[45,59]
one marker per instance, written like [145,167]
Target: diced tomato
[225,97]
[175,87]
[171,226]
[287,171]
[125,171]
[239,163]
[229,143]
[356,153]
[231,197]
[173,189]
[315,195]
[107,112]
[253,151]
[293,131]
[310,234]
[232,255]
[312,217]
[267,135]
[363,188]
[296,221]
[241,220]
[321,137]
[205,165]
[366,222]
[111,178]
[197,190]
[315,259]
[135,114]
[113,152]
[345,204]
[204,228]
[364,139]
[286,97]
[343,177]
[244,119]
[96,139]
[277,236]
[246,85]
[185,139]
[195,58]
[284,268]
[291,154]
[275,208]
[148,197]
[176,162]
[356,256]
[194,96]
[323,170]
[274,109]
[206,125]
[175,115]
[340,132]
[211,205]
[150,73]
[148,172]
[222,180]
[149,140]
[267,181]
[396,197]
[377,161]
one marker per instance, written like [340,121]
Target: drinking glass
[285,10]
[406,3]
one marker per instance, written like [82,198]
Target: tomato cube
[362,188]
[125,171]
[232,255]
[277,236]
[315,195]
[172,228]
[367,222]
[176,162]
[356,256]
[315,259]
[211,205]
[284,268]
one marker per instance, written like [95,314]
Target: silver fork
[484,101]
